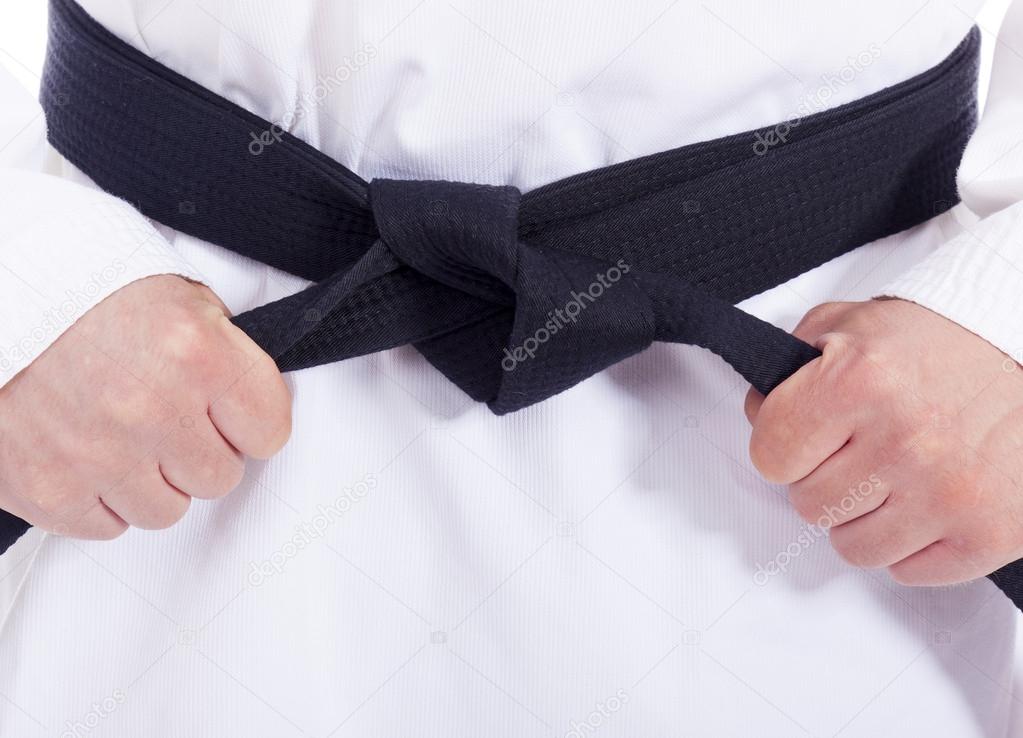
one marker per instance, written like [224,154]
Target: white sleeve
[976,279]
[64,244]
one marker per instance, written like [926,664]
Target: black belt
[514,297]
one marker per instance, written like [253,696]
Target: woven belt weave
[514,297]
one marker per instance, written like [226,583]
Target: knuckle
[867,359]
[186,338]
[928,448]
[128,404]
[821,315]
[950,486]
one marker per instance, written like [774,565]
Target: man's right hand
[151,398]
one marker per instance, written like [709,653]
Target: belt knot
[461,235]
[562,316]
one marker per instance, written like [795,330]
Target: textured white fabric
[600,564]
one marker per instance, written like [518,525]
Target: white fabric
[594,565]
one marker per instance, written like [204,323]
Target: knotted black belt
[514,297]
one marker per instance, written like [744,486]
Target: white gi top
[606,563]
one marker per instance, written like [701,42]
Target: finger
[97,523]
[72,514]
[146,500]
[803,421]
[253,413]
[941,564]
[887,535]
[840,489]
[197,460]
[810,328]
[752,404]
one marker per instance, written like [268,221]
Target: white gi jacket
[411,564]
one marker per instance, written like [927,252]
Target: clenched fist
[150,399]
[905,440]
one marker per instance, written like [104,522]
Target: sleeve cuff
[64,247]
[975,280]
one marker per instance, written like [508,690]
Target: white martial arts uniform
[606,563]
